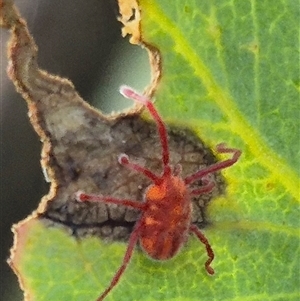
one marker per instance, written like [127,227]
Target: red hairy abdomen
[165,223]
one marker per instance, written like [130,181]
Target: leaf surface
[229,72]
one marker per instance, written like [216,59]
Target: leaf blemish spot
[166,218]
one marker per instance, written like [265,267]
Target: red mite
[165,223]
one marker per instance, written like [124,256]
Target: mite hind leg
[210,252]
[131,244]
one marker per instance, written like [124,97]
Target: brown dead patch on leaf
[81,146]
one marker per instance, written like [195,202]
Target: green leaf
[230,69]
[230,72]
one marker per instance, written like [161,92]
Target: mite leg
[83,197]
[130,93]
[124,160]
[210,253]
[208,186]
[221,148]
[131,244]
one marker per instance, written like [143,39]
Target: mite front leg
[221,148]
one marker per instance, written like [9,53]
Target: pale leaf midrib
[259,226]
[264,155]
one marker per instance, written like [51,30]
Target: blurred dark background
[79,40]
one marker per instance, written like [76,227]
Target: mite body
[165,222]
